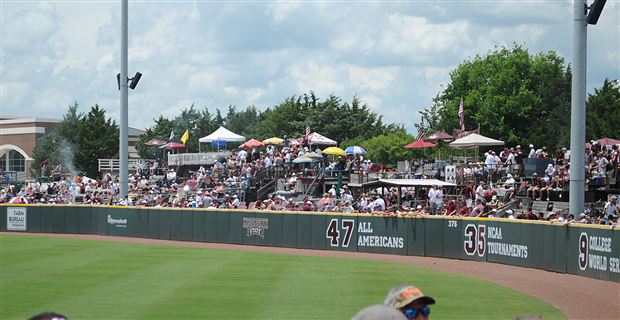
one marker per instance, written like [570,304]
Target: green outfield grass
[87,279]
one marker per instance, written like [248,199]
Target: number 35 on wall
[333,233]
[475,240]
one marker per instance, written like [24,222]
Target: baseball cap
[379,312]
[401,296]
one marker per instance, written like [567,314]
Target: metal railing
[114,165]
[206,158]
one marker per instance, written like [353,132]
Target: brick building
[19,135]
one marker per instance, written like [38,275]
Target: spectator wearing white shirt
[432,199]
[480,191]
[532,153]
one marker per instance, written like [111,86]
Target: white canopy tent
[222,134]
[317,138]
[475,140]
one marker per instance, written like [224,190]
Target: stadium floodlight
[134,80]
[132,84]
[595,11]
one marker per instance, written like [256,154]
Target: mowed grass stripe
[87,279]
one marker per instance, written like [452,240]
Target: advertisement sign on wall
[16,219]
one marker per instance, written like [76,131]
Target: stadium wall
[585,250]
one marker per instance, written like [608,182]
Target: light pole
[124,87]
[581,19]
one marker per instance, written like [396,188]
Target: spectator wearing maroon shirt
[468,193]
[451,208]
[463,210]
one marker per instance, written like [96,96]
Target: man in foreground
[410,301]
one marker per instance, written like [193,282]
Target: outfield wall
[586,250]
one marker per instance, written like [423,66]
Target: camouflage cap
[401,296]
[379,312]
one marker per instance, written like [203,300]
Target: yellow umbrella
[334,151]
[273,140]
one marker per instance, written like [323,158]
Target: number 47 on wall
[333,233]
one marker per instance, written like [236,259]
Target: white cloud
[373,102]
[47,100]
[253,95]
[376,79]
[280,10]
[105,61]
[423,40]
[394,55]
[312,77]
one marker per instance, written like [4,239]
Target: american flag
[462,115]
[307,132]
[421,130]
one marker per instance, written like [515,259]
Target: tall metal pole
[578,110]
[122,157]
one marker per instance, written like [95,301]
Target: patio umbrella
[313,155]
[172,146]
[155,142]
[273,140]
[303,159]
[252,143]
[608,141]
[334,151]
[355,150]
[419,144]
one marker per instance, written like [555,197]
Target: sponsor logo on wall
[367,238]
[595,253]
[482,239]
[255,227]
[16,219]
[119,223]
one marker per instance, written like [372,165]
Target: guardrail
[207,158]
[115,165]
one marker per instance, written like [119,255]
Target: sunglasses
[411,313]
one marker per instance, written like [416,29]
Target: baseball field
[88,279]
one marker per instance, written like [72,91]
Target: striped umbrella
[355,150]
[313,155]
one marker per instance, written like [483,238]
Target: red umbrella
[252,143]
[419,144]
[607,141]
[155,142]
[172,145]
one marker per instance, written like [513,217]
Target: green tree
[431,117]
[385,148]
[331,117]
[603,112]
[78,142]
[160,130]
[514,96]
[98,139]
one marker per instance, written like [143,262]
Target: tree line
[513,95]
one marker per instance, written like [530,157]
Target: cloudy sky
[394,55]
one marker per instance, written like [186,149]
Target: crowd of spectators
[487,186]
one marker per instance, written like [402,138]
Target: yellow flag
[185,136]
